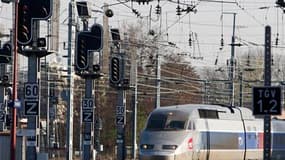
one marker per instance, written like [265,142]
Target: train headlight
[147,146]
[170,147]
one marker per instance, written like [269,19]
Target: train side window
[205,113]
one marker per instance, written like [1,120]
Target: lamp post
[70,83]
[231,71]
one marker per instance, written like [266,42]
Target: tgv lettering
[267,93]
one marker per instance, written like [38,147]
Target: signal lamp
[41,42]
[96,67]
[109,13]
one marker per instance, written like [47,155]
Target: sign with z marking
[120,120]
[87,116]
[120,115]
[31,107]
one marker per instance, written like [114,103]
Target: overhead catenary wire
[249,14]
[192,23]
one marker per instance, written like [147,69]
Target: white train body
[208,132]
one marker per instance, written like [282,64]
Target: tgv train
[208,132]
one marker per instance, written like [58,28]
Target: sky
[212,19]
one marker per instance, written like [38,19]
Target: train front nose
[163,145]
[157,152]
[153,155]
[157,158]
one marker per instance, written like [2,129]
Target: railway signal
[81,52]
[86,42]
[116,69]
[28,11]
[6,53]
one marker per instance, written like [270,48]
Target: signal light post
[5,58]
[28,28]
[267,104]
[116,79]
[88,42]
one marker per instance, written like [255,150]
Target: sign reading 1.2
[267,100]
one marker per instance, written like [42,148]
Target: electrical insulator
[216,61]
[277,39]
[189,9]
[136,12]
[143,1]
[178,10]
[190,40]
[158,9]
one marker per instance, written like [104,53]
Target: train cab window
[174,124]
[210,114]
[169,120]
[156,122]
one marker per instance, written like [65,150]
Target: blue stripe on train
[235,140]
[251,140]
[278,140]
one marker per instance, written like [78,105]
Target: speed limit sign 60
[31,90]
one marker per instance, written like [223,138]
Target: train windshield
[168,120]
